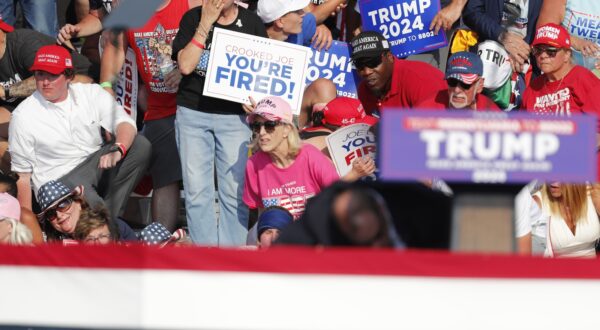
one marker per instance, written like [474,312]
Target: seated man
[388,81]
[55,134]
[17,51]
[465,83]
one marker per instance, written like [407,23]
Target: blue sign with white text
[486,147]
[404,23]
[334,64]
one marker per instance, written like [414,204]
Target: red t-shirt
[412,83]
[151,43]
[578,91]
[441,101]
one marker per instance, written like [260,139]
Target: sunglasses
[455,82]
[63,206]
[550,51]
[269,126]
[370,63]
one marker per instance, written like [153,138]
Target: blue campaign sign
[404,23]
[486,147]
[334,64]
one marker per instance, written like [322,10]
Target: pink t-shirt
[267,185]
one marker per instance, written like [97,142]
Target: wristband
[106,84]
[6,92]
[120,148]
[197,44]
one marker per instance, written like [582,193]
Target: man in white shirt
[55,134]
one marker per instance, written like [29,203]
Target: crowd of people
[72,154]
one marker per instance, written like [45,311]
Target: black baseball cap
[368,44]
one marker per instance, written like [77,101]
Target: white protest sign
[350,143]
[243,65]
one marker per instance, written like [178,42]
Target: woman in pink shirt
[283,171]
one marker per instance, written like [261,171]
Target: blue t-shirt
[309,27]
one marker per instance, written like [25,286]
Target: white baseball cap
[270,10]
[496,66]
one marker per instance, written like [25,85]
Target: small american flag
[270,202]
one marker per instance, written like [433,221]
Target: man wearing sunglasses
[464,72]
[56,134]
[388,81]
[564,88]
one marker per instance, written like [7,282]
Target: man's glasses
[269,126]
[63,206]
[550,51]
[455,82]
[370,63]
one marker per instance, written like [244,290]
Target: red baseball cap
[553,35]
[52,58]
[345,111]
[5,27]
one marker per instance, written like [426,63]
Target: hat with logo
[368,44]
[496,66]
[52,193]
[272,108]
[5,26]
[345,111]
[553,35]
[52,58]
[464,66]
[9,207]
[270,10]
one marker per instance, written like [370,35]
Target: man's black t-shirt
[21,46]
[191,86]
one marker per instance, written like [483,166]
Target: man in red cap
[17,51]
[55,134]
[564,88]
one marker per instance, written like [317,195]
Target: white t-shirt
[51,139]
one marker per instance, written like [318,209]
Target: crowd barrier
[139,287]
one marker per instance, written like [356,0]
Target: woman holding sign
[283,172]
[212,134]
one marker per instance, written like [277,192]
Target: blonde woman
[573,224]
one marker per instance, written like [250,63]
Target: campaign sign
[350,143]
[404,23]
[126,88]
[243,65]
[334,64]
[486,147]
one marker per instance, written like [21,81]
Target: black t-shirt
[191,86]
[21,46]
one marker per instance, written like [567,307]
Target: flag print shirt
[267,185]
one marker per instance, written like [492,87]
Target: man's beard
[458,105]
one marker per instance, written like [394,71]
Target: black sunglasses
[551,51]
[452,82]
[269,126]
[371,62]
[63,206]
